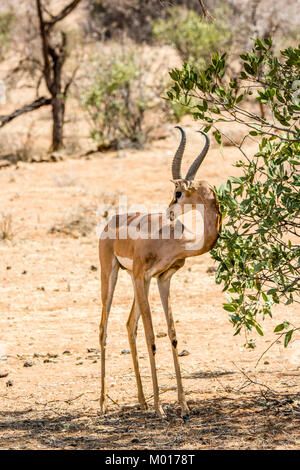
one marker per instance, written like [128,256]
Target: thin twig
[115,403]
[253,381]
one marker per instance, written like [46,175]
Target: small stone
[266,363]
[4,163]
[93,356]
[161,335]
[183,353]
[28,364]
[9,383]
[93,268]
[57,156]
[67,352]
[8,267]
[24,272]
[125,351]
[35,159]
[3,374]
[135,440]
[212,269]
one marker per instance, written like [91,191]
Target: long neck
[213,222]
[202,243]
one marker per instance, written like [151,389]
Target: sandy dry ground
[49,315]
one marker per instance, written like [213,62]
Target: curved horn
[176,164]
[195,165]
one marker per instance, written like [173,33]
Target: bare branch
[38,84]
[253,381]
[292,284]
[69,82]
[205,11]
[45,46]
[38,103]
[64,12]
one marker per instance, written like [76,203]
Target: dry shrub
[122,97]
[77,223]
[16,147]
[6,227]
[112,19]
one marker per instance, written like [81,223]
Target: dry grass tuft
[6,227]
[78,223]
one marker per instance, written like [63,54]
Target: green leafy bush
[119,99]
[258,251]
[176,111]
[194,38]
[6,22]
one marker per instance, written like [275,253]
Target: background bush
[6,22]
[122,93]
[194,38]
[114,19]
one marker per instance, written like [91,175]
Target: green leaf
[268,41]
[259,330]
[218,137]
[229,307]
[279,328]
[288,337]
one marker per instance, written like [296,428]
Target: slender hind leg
[141,296]
[164,290]
[108,283]
[132,324]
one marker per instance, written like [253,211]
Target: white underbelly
[126,262]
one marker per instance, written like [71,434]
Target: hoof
[143,406]
[103,407]
[185,417]
[160,413]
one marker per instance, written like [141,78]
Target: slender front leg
[141,296]
[132,324]
[164,290]
[108,283]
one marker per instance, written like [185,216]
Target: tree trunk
[58,114]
